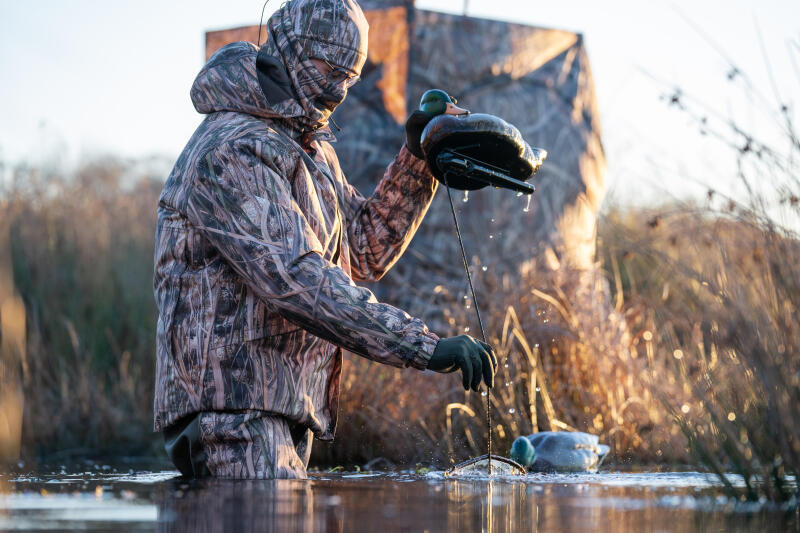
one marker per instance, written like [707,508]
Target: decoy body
[469,151]
[559,451]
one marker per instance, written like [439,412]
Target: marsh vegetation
[681,346]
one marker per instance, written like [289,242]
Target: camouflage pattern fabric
[253,445]
[258,244]
[538,79]
[331,30]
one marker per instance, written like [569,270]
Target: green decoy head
[522,451]
[437,102]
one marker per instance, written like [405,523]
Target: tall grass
[12,356]
[565,363]
[680,346]
[721,295]
[81,246]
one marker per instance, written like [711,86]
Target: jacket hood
[240,78]
[229,82]
[335,31]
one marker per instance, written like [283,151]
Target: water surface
[108,499]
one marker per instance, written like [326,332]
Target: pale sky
[86,77]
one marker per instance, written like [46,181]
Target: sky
[89,77]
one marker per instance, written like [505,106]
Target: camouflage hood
[332,30]
[280,81]
[228,82]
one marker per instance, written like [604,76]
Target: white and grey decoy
[559,451]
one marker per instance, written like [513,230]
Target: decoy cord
[480,322]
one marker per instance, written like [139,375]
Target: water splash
[466,197]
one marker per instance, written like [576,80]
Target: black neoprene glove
[473,357]
[415,123]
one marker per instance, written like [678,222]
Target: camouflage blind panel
[538,79]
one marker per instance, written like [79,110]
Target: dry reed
[688,318]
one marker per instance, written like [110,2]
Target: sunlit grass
[679,347]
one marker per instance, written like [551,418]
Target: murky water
[105,499]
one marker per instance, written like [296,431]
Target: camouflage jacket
[257,248]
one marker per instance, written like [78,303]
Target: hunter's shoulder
[250,136]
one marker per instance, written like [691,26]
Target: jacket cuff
[426,344]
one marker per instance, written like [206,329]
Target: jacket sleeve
[381,227]
[245,209]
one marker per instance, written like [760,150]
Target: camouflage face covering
[331,30]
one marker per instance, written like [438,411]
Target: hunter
[260,241]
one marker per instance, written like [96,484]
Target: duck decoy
[559,451]
[469,151]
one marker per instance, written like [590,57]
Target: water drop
[466,196]
[505,365]
[483,393]
[492,220]
[528,204]
[466,329]
[512,411]
[467,305]
[519,194]
[484,268]
[466,297]
[508,383]
[491,236]
[538,389]
[536,345]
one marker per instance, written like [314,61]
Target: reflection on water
[159,501]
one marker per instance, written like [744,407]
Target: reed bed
[679,347]
[81,248]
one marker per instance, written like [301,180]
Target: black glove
[414,125]
[473,357]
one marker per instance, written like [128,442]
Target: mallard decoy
[475,150]
[559,451]
[437,102]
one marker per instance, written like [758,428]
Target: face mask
[330,97]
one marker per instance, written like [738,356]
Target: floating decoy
[559,451]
